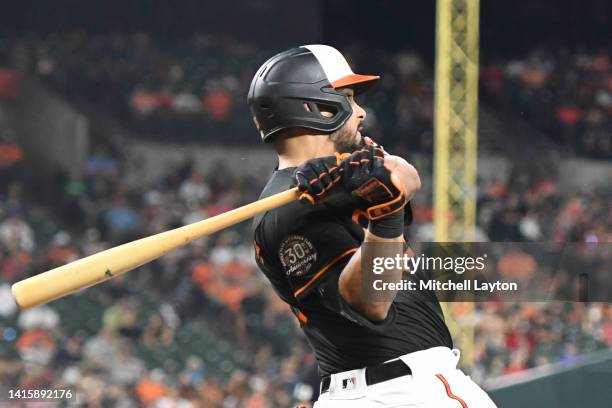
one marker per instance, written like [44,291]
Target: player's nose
[359,111]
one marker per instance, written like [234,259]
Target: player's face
[348,137]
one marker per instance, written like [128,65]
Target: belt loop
[325,384]
[457,354]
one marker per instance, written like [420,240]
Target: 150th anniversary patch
[297,255]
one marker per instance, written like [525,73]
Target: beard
[345,140]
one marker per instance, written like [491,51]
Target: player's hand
[365,176]
[316,177]
[369,142]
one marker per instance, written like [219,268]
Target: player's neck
[296,150]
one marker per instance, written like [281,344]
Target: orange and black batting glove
[365,176]
[379,192]
[315,178]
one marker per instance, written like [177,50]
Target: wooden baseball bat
[116,261]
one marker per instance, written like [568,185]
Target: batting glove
[316,177]
[365,176]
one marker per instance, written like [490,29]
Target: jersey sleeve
[308,256]
[307,246]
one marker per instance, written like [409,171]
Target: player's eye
[349,93]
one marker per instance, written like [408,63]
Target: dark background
[506,26]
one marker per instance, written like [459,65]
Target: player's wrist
[388,227]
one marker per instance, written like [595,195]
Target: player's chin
[347,140]
[359,139]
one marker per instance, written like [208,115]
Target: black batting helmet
[289,89]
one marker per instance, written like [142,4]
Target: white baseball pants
[435,382]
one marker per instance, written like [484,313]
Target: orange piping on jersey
[258,252]
[302,317]
[323,270]
[449,392]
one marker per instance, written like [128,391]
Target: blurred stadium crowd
[195,89]
[566,94]
[201,326]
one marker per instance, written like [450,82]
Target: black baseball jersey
[302,250]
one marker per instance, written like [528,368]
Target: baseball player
[395,352]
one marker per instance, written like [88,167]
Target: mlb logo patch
[349,383]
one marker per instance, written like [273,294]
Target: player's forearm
[350,281]
[384,239]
